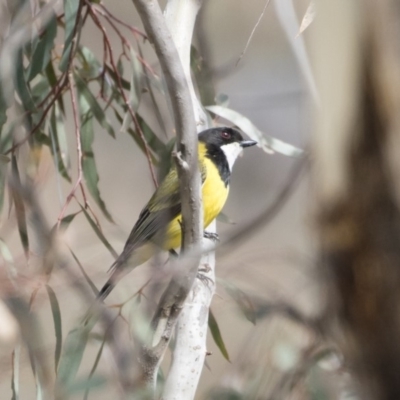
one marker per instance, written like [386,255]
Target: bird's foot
[204,269]
[212,236]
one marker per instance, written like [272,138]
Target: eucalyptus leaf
[21,84]
[88,163]
[216,334]
[94,367]
[56,312]
[243,300]
[42,48]
[91,67]
[71,14]
[267,143]
[58,142]
[15,373]
[4,160]
[95,108]
[135,90]
[71,357]
[3,108]
[85,275]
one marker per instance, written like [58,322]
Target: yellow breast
[214,194]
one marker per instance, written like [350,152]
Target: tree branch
[186,159]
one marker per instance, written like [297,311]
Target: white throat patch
[231,151]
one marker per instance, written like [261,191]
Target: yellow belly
[214,195]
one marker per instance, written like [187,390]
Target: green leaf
[21,85]
[64,223]
[72,354]
[95,108]
[19,207]
[15,373]
[52,79]
[267,143]
[71,15]
[85,275]
[95,364]
[216,334]
[4,160]
[3,108]
[91,67]
[58,145]
[56,312]
[40,89]
[88,162]
[124,83]
[99,234]
[42,48]
[244,302]
[136,89]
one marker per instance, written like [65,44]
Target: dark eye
[225,135]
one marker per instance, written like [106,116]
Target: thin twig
[78,182]
[252,32]
[121,89]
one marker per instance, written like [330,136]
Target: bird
[159,223]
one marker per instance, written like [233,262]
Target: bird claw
[212,236]
[204,269]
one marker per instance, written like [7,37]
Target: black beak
[248,143]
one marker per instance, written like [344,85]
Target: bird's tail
[123,265]
[106,290]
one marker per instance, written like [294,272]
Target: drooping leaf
[94,367]
[91,67]
[71,357]
[85,275]
[216,334]
[88,163]
[56,312]
[42,48]
[267,143]
[124,83]
[71,15]
[15,373]
[64,223]
[40,89]
[19,206]
[52,79]
[3,108]
[21,84]
[95,108]
[58,145]
[135,90]
[99,234]
[4,160]
[244,302]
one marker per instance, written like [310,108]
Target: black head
[223,136]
